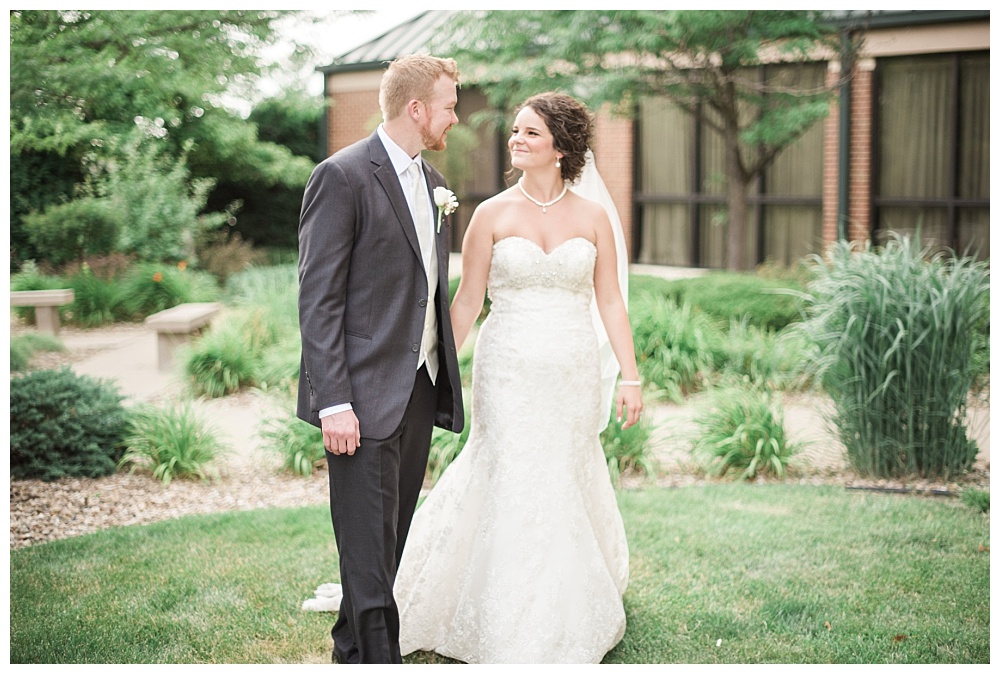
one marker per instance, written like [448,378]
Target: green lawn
[779,574]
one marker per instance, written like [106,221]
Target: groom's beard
[434,143]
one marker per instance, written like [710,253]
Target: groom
[379,367]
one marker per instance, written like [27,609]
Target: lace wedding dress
[519,554]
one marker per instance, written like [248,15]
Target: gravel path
[41,511]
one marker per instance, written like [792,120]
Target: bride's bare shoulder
[588,209]
[496,204]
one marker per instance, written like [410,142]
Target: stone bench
[177,325]
[46,304]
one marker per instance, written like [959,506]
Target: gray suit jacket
[362,293]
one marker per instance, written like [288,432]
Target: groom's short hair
[412,77]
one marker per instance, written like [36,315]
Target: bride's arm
[477,252]
[614,315]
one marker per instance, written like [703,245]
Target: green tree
[703,61]
[269,208]
[85,84]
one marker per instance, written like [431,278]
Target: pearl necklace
[536,201]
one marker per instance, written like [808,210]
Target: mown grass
[778,573]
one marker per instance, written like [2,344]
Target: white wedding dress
[519,554]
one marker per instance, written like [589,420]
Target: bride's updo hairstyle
[571,126]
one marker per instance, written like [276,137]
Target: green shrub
[221,362]
[152,287]
[897,331]
[640,285]
[742,430]
[24,346]
[64,425]
[676,349]
[73,230]
[768,303]
[978,499]
[627,450]
[172,442]
[299,444]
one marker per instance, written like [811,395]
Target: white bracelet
[629,383]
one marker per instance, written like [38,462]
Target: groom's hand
[341,432]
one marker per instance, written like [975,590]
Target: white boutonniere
[446,202]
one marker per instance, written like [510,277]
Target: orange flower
[182,265]
[157,277]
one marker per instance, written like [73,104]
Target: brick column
[613,145]
[831,160]
[862,113]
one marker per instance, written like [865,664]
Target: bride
[518,554]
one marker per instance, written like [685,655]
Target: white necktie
[420,211]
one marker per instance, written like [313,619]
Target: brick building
[912,152]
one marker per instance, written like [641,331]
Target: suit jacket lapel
[386,176]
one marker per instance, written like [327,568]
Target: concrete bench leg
[47,319]
[166,344]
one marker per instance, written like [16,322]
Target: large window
[933,150]
[682,187]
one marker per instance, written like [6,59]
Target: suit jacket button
[415,348]
[422,303]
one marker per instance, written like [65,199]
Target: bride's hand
[629,401]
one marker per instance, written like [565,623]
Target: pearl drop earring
[558,164]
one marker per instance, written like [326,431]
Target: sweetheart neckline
[542,250]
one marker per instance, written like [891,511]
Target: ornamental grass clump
[222,361]
[765,359]
[96,300]
[23,347]
[977,499]
[256,342]
[676,349]
[742,430]
[897,330]
[299,444]
[172,442]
